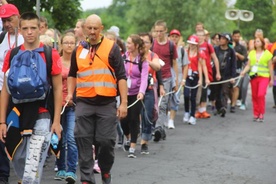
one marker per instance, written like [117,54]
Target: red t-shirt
[208,49]
[56,65]
[163,51]
[194,61]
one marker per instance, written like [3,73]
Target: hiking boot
[192,121]
[60,175]
[127,145]
[70,177]
[232,109]
[171,124]
[131,153]
[186,117]
[222,112]
[106,178]
[197,115]
[205,115]
[144,149]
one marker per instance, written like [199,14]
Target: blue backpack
[27,77]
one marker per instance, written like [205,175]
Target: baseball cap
[114,29]
[193,40]
[175,31]
[8,10]
[227,36]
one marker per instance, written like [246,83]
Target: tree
[263,17]
[179,14]
[63,14]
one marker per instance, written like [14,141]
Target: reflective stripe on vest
[96,84]
[262,65]
[96,78]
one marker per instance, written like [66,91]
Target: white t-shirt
[7,44]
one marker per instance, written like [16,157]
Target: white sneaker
[242,107]
[186,117]
[192,121]
[238,103]
[171,124]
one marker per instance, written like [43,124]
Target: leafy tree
[179,14]
[63,14]
[263,17]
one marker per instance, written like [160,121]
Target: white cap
[114,29]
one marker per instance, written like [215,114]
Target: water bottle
[54,141]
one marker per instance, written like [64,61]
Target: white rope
[194,87]
[63,109]
[133,103]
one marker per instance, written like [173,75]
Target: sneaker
[127,145]
[255,118]
[144,149]
[171,124]
[242,107]
[197,115]
[4,181]
[261,118]
[232,109]
[56,168]
[70,177]
[274,106]
[192,121]
[205,115]
[222,112]
[157,135]
[60,175]
[96,168]
[131,153]
[238,103]
[186,117]
[106,178]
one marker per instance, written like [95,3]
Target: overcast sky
[92,4]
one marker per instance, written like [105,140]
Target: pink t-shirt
[64,73]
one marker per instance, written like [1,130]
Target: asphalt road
[230,150]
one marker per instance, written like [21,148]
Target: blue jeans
[4,163]
[190,95]
[68,139]
[147,115]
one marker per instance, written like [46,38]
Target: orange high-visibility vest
[96,77]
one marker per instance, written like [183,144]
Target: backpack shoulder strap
[182,55]
[14,51]
[2,36]
[49,61]
[171,45]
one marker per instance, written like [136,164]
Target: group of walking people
[93,67]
